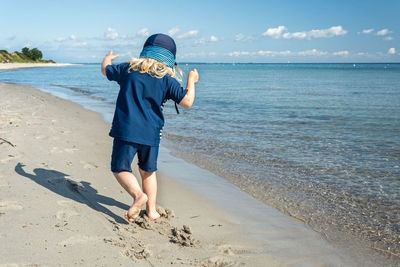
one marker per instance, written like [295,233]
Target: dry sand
[15,66]
[61,206]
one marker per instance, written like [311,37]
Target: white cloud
[312,52]
[392,51]
[203,41]
[367,31]
[242,38]
[128,55]
[60,39]
[81,44]
[295,35]
[28,45]
[63,39]
[275,33]
[285,53]
[212,54]
[239,37]
[128,36]
[274,53]
[200,41]
[127,44]
[188,55]
[173,31]
[143,32]
[241,53]
[383,32]
[268,53]
[189,34]
[324,33]
[388,38]
[341,53]
[213,38]
[110,34]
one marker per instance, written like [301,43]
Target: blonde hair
[154,68]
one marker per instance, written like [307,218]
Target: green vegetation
[25,56]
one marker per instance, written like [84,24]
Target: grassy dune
[18,57]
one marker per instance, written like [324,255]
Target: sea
[319,142]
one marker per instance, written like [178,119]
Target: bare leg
[128,181]
[149,182]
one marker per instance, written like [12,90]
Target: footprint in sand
[218,261]
[9,158]
[63,215]
[10,205]
[65,132]
[77,239]
[71,150]
[88,165]
[64,203]
[2,183]
[40,137]
[233,250]
[55,150]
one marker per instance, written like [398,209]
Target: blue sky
[207,31]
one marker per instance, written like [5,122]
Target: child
[145,85]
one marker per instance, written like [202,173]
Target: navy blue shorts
[123,153]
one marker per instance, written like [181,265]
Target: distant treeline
[26,55]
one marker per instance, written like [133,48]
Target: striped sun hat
[160,47]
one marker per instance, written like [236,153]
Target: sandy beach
[61,206]
[16,66]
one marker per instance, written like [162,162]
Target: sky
[207,31]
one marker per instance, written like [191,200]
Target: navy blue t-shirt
[138,116]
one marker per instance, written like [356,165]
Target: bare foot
[153,215]
[134,210]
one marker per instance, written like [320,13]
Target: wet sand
[60,204]
[16,66]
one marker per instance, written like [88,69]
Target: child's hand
[110,56]
[193,76]
[107,61]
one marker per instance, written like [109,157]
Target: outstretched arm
[188,100]
[107,61]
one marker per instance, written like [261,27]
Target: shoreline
[201,200]
[17,66]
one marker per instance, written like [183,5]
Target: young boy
[145,85]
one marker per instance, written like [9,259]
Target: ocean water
[319,142]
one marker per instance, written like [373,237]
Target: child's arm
[187,101]
[107,61]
